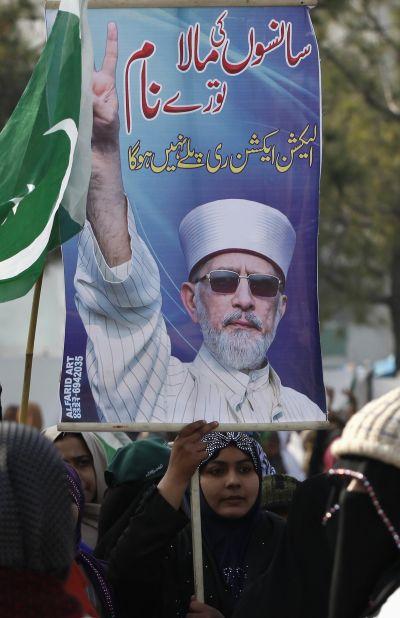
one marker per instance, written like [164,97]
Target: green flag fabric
[45,154]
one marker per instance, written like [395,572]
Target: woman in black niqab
[367,535]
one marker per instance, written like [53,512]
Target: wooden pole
[29,351]
[197,544]
[176,427]
[124,4]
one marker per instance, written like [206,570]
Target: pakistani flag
[45,155]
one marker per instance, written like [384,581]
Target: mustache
[249,316]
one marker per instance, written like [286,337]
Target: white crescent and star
[16,264]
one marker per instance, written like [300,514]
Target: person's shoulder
[385,597]
[301,405]
[269,530]
[177,371]
[270,519]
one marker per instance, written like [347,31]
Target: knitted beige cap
[374,431]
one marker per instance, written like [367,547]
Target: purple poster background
[251,130]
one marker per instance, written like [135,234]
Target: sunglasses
[227,282]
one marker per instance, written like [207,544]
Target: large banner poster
[219,114]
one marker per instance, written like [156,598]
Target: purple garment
[95,569]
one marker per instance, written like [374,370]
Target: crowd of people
[88,533]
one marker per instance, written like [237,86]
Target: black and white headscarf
[215,441]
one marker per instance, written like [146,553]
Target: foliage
[360,190]
[19,21]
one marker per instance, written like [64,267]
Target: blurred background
[359,243]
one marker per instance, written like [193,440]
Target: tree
[19,20]
[360,190]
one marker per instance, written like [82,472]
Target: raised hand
[201,610]
[105,101]
[106,204]
[188,451]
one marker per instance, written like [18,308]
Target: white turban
[237,225]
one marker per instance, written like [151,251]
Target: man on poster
[236,277]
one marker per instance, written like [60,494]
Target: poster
[215,104]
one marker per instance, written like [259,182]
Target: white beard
[238,349]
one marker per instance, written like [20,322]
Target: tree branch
[362,88]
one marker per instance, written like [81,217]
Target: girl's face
[230,483]
[75,452]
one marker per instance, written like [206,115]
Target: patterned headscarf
[215,441]
[266,468]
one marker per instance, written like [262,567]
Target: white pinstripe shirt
[134,378]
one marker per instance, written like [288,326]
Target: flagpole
[30,344]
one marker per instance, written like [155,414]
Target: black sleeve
[297,581]
[138,553]
[119,504]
